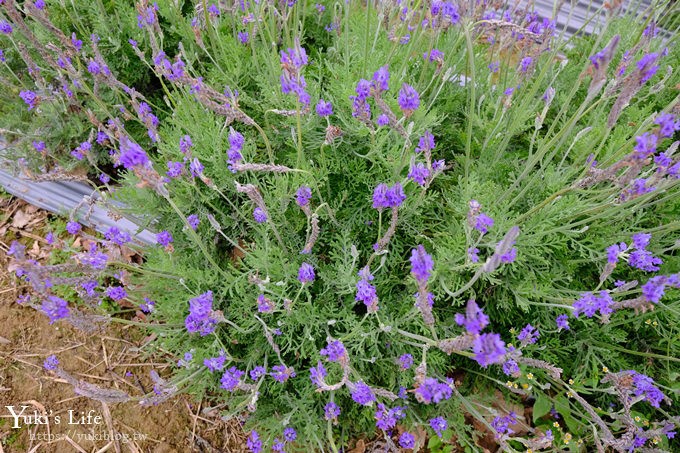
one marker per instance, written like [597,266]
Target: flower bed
[369,217]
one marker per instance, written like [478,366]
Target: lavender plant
[370,216]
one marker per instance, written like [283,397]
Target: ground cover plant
[372,218]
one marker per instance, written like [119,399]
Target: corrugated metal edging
[587,16]
[63,197]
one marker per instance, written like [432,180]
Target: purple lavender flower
[382,120]
[132,155]
[589,304]
[362,394]
[317,374]
[408,99]
[474,319]
[645,145]
[562,322]
[667,124]
[282,373]
[215,363]
[488,349]
[148,16]
[525,64]
[528,335]
[49,237]
[511,368]
[439,425]
[434,55]
[418,173]
[363,89]
[73,227]
[231,379]
[259,215]
[164,238]
[646,66]
[5,27]
[421,264]
[425,142]
[365,291]
[331,411]
[335,351]
[51,363]
[407,440]
[306,273]
[116,236]
[405,362]
[289,434]
[473,254]
[387,418]
[243,37]
[193,221]
[201,318]
[253,442]
[175,169]
[644,260]
[641,240]
[77,43]
[264,305]
[655,288]
[213,10]
[116,292]
[89,287]
[614,251]
[196,167]
[380,196]
[433,391]
[483,222]
[502,424]
[303,195]
[644,386]
[30,98]
[185,144]
[324,108]
[381,78]
[147,306]
[510,256]
[55,308]
[93,67]
[39,146]
[257,372]
[395,195]
[104,178]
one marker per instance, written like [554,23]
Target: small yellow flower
[556,425]
[605,369]
[529,450]
[515,385]
[637,418]
[580,441]
[570,395]
[645,423]
[509,384]
[567,438]
[530,376]
[512,330]
[656,440]
[648,322]
[655,323]
[525,386]
[571,382]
